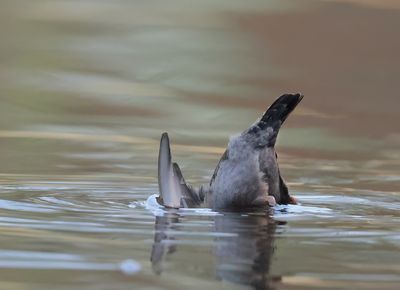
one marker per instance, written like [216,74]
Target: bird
[247,175]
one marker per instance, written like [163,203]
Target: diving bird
[247,174]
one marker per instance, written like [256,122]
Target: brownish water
[87,88]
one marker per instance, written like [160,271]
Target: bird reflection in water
[164,239]
[243,246]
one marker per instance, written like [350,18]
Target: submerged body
[247,174]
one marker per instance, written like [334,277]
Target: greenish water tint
[87,88]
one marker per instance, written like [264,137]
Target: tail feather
[269,124]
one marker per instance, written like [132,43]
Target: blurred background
[74,74]
[87,87]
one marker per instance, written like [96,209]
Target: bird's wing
[189,198]
[174,191]
[223,158]
[167,182]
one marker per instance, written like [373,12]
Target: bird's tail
[174,192]
[270,123]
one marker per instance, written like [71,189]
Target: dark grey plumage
[246,176]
